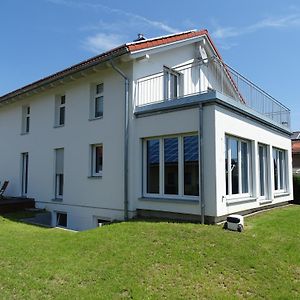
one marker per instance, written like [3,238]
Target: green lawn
[153,260]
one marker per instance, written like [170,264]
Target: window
[97,101]
[61,219]
[172,83]
[263,170]
[59,173]
[237,166]
[279,160]
[24,173]
[97,160]
[172,166]
[26,119]
[60,110]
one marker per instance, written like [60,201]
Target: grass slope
[153,260]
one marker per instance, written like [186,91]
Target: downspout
[201,163]
[126,136]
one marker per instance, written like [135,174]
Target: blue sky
[261,39]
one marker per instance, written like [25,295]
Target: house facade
[158,127]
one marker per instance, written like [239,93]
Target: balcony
[203,77]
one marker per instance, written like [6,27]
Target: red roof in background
[118,51]
[296,146]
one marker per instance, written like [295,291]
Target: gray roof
[296,135]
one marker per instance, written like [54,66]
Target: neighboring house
[296,152]
[158,127]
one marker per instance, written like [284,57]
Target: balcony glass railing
[212,74]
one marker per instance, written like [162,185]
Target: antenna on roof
[140,37]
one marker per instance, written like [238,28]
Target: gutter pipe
[126,136]
[201,163]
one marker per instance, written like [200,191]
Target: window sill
[265,201]
[95,176]
[58,126]
[170,200]
[24,133]
[57,200]
[94,119]
[240,200]
[281,194]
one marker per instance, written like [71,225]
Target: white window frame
[280,165]
[168,87]
[93,160]
[57,177]
[26,110]
[266,171]
[229,168]
[58,107]
[161,194]
[57,215]
[95,94]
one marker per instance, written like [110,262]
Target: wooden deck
[13,204]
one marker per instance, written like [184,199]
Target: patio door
[24,173]
[263,171]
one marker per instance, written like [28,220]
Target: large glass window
[191,165]
[279,161]
[153,166]
[237,166]
[172,166]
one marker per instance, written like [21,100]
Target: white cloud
[153,23]
[101,42]
[291,20]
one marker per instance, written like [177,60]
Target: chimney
[140,37]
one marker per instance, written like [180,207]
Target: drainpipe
[201,163]
[126,136]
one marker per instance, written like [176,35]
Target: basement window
[61,219]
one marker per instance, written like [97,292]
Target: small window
[59,173]
[60,110]
[26,119]
[97,160]
[61,219]
[172,83]
[97,101]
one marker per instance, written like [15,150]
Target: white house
[156,127]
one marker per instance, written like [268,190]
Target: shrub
[296,183]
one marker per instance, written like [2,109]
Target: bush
[296,183]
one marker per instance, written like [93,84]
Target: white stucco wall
[234,124]
[83,196]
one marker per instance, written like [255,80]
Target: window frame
[58,214]
[169,89]
[280,164]
[59,177]
[265,159]
[95,95]
[60,103]
[93,172]
[26,119]
[161,194]
[228,189]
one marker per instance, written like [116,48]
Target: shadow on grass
[28,217]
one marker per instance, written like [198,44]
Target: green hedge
[296,183]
